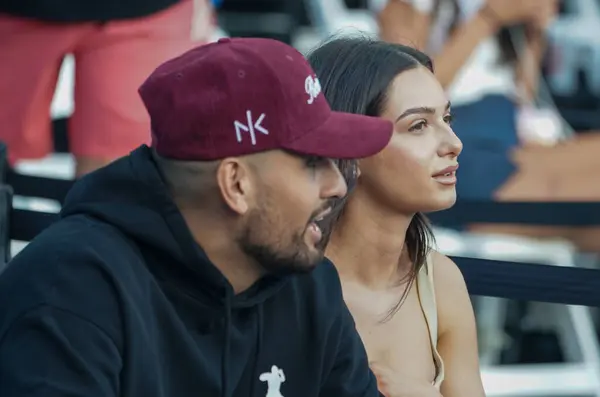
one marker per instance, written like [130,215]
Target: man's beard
[273,250]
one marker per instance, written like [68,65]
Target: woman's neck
[367,244]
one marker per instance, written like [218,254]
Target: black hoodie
[116,299]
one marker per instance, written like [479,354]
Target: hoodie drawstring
[227,346]
[259,341]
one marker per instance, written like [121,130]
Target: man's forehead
[274,157]
[276,163]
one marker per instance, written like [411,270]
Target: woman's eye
[418,126]
[448,119]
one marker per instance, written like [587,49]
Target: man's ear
[235,185]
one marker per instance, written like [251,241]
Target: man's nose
[334,184]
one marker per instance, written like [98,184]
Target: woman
[410,303]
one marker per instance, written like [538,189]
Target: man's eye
[315,161]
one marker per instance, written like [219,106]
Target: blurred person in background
[409,301]
[492,83]
[116,45]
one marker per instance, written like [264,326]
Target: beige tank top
[426,293]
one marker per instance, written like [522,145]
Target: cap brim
[345,136]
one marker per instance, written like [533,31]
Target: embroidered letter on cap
[250,127]
[312,88]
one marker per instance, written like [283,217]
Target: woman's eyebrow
[421,110]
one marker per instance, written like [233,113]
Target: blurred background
[546,153]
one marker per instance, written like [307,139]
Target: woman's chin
[441,203]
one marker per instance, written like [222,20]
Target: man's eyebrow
[421,110]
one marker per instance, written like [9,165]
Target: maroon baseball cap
[248,95]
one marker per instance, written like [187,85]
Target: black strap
[466,212]
[6,195]
[37,186]
[463,213]
[531,282]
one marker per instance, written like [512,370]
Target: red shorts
[111,61]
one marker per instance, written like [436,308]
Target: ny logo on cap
[251,127]
[312,88]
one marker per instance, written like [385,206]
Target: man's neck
[240,270]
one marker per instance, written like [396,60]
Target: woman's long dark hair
[355,75]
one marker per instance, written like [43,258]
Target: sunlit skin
[423,144]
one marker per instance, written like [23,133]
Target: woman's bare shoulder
[451,293]
[446,274]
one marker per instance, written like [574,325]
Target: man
[185,269]
[115,44]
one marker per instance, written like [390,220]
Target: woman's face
[416,171]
